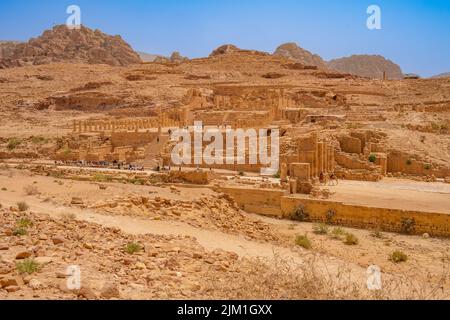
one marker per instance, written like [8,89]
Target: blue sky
[415,33]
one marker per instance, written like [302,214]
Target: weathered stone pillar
[284,172]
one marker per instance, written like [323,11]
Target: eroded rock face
[62,44]
[369,66]
[294,52]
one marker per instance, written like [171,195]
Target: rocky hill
[7,48]
[369,66]
[442,75]
[294,52]
[65,45]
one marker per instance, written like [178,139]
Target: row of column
[123,125]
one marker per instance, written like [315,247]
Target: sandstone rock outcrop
[225,49]
[62,44]
[294,52]
[369,66]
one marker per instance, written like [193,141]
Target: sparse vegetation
[338,233]
[408,225]
[427,166]
[132,248]
[24,223]
[13,143]
[22,206]
[20,232]
[373,158]
[100,177]
[377,234]
[330,215]
[303,241]
[320,229]
[29,266]
[398,257]
[4,189]
[38,140]
[409,162]
[241,173]
[31,190]
[351,239]
[300,214]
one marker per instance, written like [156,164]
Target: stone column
[284,172]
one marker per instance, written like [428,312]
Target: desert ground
[87,179]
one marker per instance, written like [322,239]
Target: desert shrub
[409,162]
[373,158]
[427,166]
[23,206]
[4,189]
[408,225]
[277,175]
[100,177]
[330,215]
[241,173]
[24,223]
[338,233]
[132,248]
[303,241]
[351,239]
[320,228]
[29,266]
[300,214]
[38,140]
[13,143]
[377,234]
[31,190]
[20,232]
[398,256]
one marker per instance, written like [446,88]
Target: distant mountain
[298,54]
[62,44]
[147,57]
[370,66]
[442,75]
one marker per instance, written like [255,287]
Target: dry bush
[258,279]
[31,190]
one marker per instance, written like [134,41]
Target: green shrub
[38,140]
[23,206]
[408,225]
[300,214]
[132,248]
[20,232]
[13,143]
[351,239]
[320,228]
[427,166]
[338,233]
[398,256]
[24,223]
[29,266]
[373,158]
[303,241]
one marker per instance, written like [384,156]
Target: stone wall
[277,203]
[391,220]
